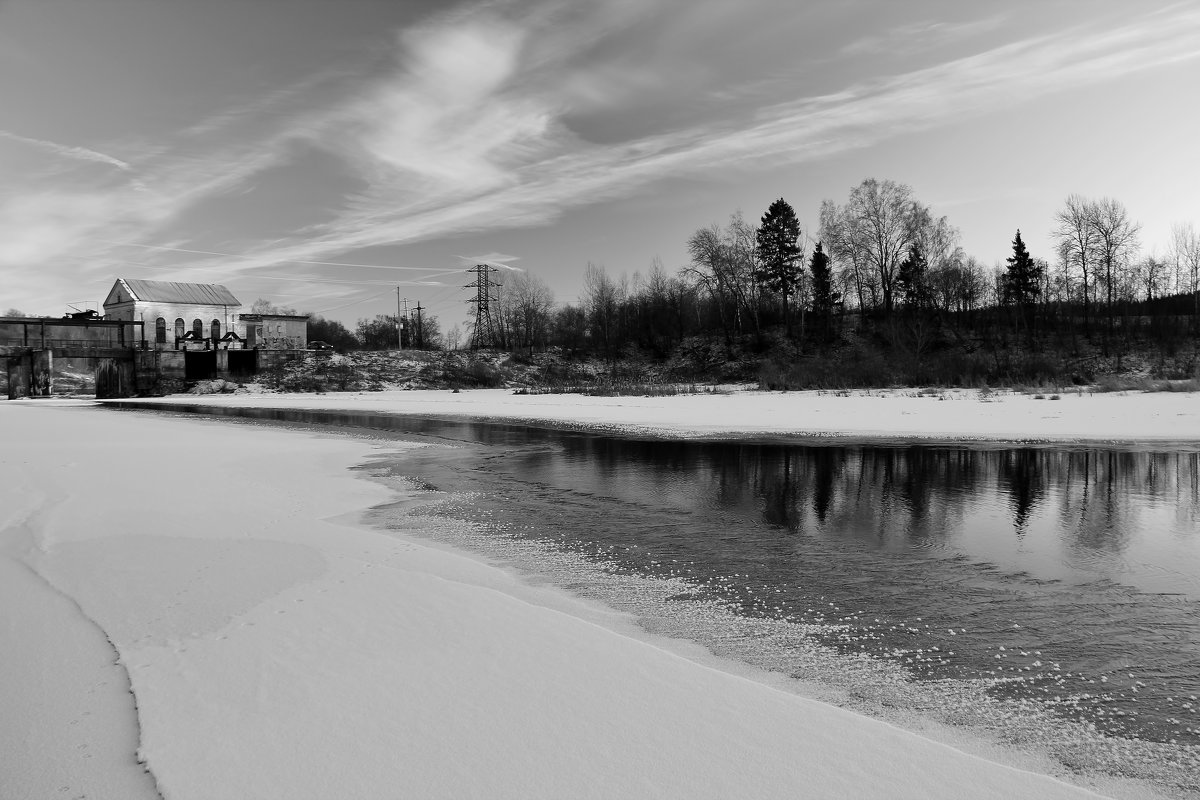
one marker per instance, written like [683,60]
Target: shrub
[855,370]
[1137,383]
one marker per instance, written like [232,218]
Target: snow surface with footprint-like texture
[278,648]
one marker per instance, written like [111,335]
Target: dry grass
[624,389]
[1133,383]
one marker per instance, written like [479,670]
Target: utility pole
[484,331]
[420,330]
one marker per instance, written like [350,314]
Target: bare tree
[601,301]
[873,232]
[958,286]
[1117,242]
[1077,245]
[570,328]
[939,243]
[526,304]
[264,306]
[1185,251]
[1154,275]
[661,300]
[723,264]
[741,237]
[840,230]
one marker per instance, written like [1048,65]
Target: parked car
[319,345]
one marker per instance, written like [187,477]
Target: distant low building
[275,331]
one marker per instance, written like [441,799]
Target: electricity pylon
[483,333]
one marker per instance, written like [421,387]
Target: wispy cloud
[68,151]
[287,100]
[530,173]
[503,258]
[497,260]
[192,251]
[918,37]
[465,133]
[50,224]
[449,119]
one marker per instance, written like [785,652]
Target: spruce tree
[1022,282]
[822,287]
[779,258]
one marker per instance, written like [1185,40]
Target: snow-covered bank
[904,414]
[277,648]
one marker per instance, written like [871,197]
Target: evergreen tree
[822,287]
[912,276]
[780,263]
[1023,280]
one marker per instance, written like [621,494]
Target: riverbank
[268,644]
[935,415]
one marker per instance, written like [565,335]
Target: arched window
[198,328]
[216,330]
[179,327]
[160,331]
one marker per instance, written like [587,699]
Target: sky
[323,154]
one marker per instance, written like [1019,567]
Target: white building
[181,316]
[171,311]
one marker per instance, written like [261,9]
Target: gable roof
[200,294]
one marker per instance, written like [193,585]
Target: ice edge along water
[125,771]
[1035,740]
[118,662]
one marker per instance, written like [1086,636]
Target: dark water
[1066,577]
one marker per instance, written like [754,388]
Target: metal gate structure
[242,363]
[199,365]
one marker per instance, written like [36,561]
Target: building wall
[274,332]
[151,311]
[264,331]
[159,372]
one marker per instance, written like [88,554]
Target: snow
[954,414]
[276,646]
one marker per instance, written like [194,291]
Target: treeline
[880,292]
[418,332]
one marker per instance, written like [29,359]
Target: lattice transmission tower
[483,332]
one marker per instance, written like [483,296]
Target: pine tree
[822,287]
[779,258]
[1023,280]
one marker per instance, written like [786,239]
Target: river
[1043,597]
